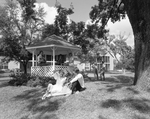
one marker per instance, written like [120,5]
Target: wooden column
[53,57]
[33,58]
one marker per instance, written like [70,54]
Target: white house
[108,60]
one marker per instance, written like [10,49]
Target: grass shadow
[117,82]
[138,117]
[134,91]
[111,103]
[39,107]
[120,79]
[148,90]
[101,117]
[141,105]
[112,88]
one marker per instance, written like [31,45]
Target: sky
[82,9]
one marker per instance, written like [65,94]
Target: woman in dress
[59,88]
[41,58]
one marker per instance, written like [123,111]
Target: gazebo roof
[53,41]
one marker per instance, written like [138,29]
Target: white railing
[46,71]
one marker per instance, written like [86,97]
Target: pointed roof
[53,41]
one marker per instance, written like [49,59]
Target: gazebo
[52,46]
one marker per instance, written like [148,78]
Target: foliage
[20,24]
[117,46]
[19,79]
[128,60]
[40,81]
[61,23]
[138,14]
[107,9]
[28,80]
[77,33]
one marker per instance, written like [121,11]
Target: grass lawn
[114,98]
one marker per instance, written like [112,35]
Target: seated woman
[59,88]
[41,58]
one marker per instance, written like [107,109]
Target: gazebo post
[33,58]
[72,55]
[36,62]
[36,59]
[53,57]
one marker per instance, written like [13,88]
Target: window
[106,59]
[49,58]
[107,67]
[4,66]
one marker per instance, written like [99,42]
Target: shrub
[28,80]
[19,79]
[40,81]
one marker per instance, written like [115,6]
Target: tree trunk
[138,12]
[25,67]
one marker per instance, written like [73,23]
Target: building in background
[108,60]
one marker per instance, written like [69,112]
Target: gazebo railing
[45,71]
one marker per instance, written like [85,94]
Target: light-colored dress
[59,88]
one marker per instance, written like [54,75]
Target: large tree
[78,33]
[64,27]
[19,25]
[138,12]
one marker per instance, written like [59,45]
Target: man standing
[102,71]
[95,69]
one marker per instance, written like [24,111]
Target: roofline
[36,47]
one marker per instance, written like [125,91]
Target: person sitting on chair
[41,59]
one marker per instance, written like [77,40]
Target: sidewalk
[111,74]
[5,78]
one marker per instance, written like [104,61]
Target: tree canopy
[139,17]
[19,25]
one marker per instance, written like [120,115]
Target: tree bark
[25,67]
[138,12]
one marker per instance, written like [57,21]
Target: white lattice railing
[45,70]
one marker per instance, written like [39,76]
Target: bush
[40,81]
[28,80]
[19,79]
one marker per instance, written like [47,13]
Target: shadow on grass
[116,104]
[41,109]
[113,79]
[120,79]
[141,105]
[117,82]
[134,91]
[101,117]
[138,117]
[148,90]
